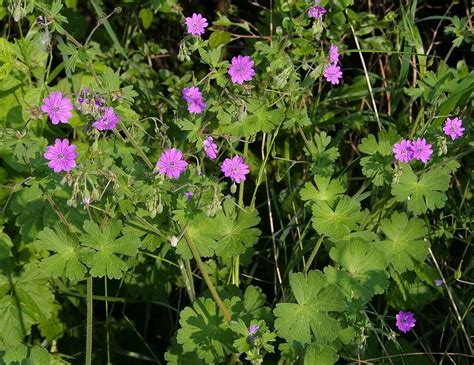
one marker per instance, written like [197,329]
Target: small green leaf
[102,257]
[323,156]
[146,16]
[237,229]
[309,318]
[65,262]
[325,189]
[219,37]
[403,245]
[426,193]
[378,165]
[363,273]
[338,219]
[205,332]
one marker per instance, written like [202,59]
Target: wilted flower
[333,73]
[192,95]
[453,128]
[61,156]
[421,150]
[333,54]
[405,321]
[107,121]
[241,69]
[210,148]
[57,107]
[171,163]
[235,168]
[403,151]
[196,24]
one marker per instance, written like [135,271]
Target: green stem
[89,322]
[137,147]
[236,271]
[313,254]
[262,167]
[107,320]
[185,267]
[206,277]
[236,261]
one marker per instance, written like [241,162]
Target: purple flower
[107,121]
[253,329]
[403,151]
[333,54]
[241,69]
[57,107]
[316,11]
[40,20]
[189,195]
[210,148]
[61,156]
[333,73]
[196,24]
[193,97]
[453,128]
[235,168]
[405,321]
[171,163]
[439,282]
[421,150]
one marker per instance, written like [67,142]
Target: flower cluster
[172,164]
[62,155]
[405,151]
[192,95]
[333,72]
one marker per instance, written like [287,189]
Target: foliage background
[418,56]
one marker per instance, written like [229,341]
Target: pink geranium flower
[57,107]
[405,321]
[171,163]
[210,148]
[403,151]
[235,168]
[196,24]
[333,74]
[453,128]
[107,121]
[241,69]
[192,95]
[316,11]
[421,150]
[61,156]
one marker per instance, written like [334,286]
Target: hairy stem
[89,321]
[206,277]
[313,254]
